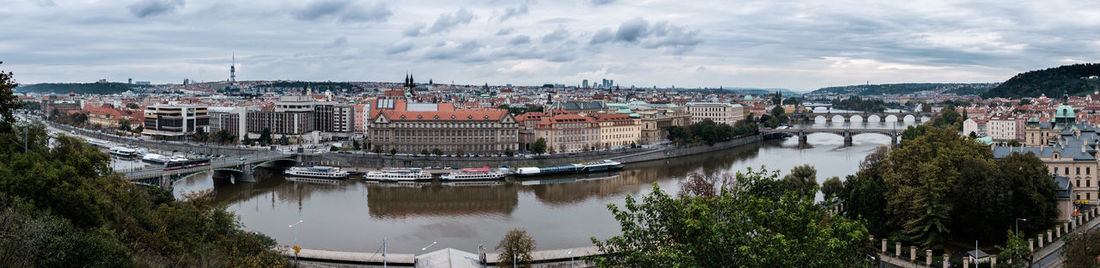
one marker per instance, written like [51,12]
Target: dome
[1064,111]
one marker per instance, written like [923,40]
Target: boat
[155,158]
[598,166]
[398,175]
[99,143]
[473,174]
[124,151]
[317,172]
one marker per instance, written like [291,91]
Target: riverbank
[447,257]
[634,155]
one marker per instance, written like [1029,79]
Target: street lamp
[295,241]
[570,258]
[1018,224]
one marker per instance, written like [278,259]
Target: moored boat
[473,174]
[317,172]
[124,151]
[398,175]
[598,166]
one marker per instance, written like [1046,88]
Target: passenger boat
[398,175]
[598,166]
[124,152]
[317,172]
[473,174]
[154,158]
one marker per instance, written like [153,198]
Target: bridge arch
[855,117]
[874,118]
[909,118]
[837,118]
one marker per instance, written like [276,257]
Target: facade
[617,130]
[280,123]
[1004,128]
[1070,152]
[174,122]
[414,128]
[976,126]
[231,119]
[656,121]
[722,113]
[105,116]
[61,106]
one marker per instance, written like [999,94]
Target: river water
[558,212]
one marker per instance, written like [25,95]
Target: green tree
[247,140]
[509,152]
[265,137]
[539,147]
[1082,249]
[710,231]
[437,151]
[8,101]
[1025,101]
[832,187]
[132,105]
[1014,143]
[393,151]
[333,149]
[377,149]
[424,152]
[223,136]
[516,248]
[284,140]
[200,135]
[124,125]
[1015,253]
[802,180]
[355,145]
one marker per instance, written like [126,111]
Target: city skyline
[801,45]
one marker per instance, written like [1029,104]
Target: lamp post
[1018,224]
[570,258]
[429,245]
[295,241]
[383,252]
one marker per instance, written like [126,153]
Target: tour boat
[605,165]
[155,158]
[317,172]
[124,152]
[473,174]
[398,175]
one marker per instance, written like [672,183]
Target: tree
[333,149]
[124,125]
[509,152]
[200,135]
[8,101]
[223,136]
[831,187]
[437,151]
[460,151]
[516,247]
[265,137]
[1015,253]
[424,152]
[393,151]
[1014,143]
[972,135]
[247,140]
[377,149]
[283,140]
[1025,101]
[710,231]
[539,147]
[802,180]
[1082,249]
[355,145]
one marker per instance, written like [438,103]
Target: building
[617,130]
[279,123]
[415,128]
[231,119]
[722,113]
[174,122]
[974,125]
[61,107]
[1005,128]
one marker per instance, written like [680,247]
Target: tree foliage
[1071,79]
[709,132]
[1015,252]
[1082,249]
[539,147]
[743,225]
[802,180]
[831,187]
[516,247]
[855,103]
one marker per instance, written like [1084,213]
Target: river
[558,212]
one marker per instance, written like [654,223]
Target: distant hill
[907,88]
[763,91]
[78,88]
[1077,79]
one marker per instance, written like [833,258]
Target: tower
[233,70]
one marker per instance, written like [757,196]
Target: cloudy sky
[801,45]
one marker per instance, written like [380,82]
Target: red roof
[444,112]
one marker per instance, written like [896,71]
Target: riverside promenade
[443,258]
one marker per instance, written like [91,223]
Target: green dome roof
[1064,111]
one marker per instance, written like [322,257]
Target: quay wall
[374,161]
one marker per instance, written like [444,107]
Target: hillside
[1077,79]
[78,88]
[907,88]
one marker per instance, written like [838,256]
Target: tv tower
[233,70]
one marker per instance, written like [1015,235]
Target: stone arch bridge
[847,133]
[865,117]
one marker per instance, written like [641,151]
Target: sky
[795,44]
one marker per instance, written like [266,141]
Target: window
[1078,170]
[1067,170]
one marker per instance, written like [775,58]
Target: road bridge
[240,168]
[847,133]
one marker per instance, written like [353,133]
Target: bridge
[866,117]
[847,133]
[240,168]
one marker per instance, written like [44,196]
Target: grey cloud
[559,34]
[520,40]
[399,48]
[513,12]
[413,30]
[147,8]
[601,2]
[463,51]
[45,3]
[674,38]
[505,31]
[344,11]
[446,21]
[339,42]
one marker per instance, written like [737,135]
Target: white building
[174,122]
[723,113]
[976,126]
[1005,128]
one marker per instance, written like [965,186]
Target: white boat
[317,172]
[473,174]
[124,151]
[398,175]
[155,158]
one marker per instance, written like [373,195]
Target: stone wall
[373,161]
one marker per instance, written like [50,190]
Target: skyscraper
[584,84]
